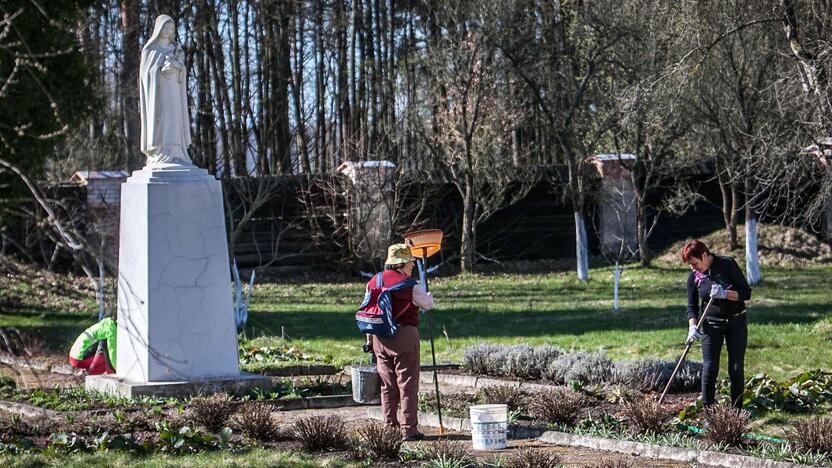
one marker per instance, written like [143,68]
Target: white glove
[718,292]
[693,334]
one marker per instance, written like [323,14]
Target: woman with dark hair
[720,278]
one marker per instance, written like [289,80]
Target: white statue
[163,99]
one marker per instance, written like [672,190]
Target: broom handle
[685,353]
[423,272]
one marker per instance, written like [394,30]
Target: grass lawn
[253,458]
[790,316]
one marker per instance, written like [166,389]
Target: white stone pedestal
[175,319]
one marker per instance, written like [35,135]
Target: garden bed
[620,414]
[672,446]
[294,392]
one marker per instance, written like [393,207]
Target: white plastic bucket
[489,424]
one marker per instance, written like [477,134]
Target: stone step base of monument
[237,384]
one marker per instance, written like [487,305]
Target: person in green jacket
[83,353]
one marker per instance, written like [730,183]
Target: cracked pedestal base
[114,385]
[175,317]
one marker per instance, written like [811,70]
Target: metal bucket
[366,385]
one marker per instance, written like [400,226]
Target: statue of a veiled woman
[163,100]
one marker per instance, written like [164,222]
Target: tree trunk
[342,88]
[468,247]
[297,91]
[320,90]
[752,261]
[238,132]
[581,247]
[826,218]
[644,254]
[729,209]
[284,75]
[733,239]
[129,82]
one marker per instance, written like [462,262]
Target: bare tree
[561,52]
[472,138]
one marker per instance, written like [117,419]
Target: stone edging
[474,381]
[460,424]
[300,370]
[25,410]
[65,369]
[289,404]
[705,457]
[316,402]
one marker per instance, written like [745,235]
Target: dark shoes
[413,437]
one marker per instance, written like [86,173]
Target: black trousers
[734,333]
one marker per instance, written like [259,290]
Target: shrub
[653,374]
[812,435]
[645,416]
[379,441]
[509,395]
[643,374]
[557,406]
[519,362]
[586,368]
[485,359]
[320,432]
[534,458]
[543,355]
[689,377]
[134,422]
[255,421]
[449,454]
[212,411]
[726,424]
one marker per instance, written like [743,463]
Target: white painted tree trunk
[752,260]
[616,304]
[581,248]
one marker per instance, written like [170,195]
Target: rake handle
[685,353]
[423,273]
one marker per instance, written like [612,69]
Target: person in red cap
[398,356]
[720,278]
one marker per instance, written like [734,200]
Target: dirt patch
[572,456]
[777,246]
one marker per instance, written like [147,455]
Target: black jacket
[724,271]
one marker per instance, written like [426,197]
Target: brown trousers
[398,367]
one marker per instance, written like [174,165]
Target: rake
[424,244]
[685,353]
